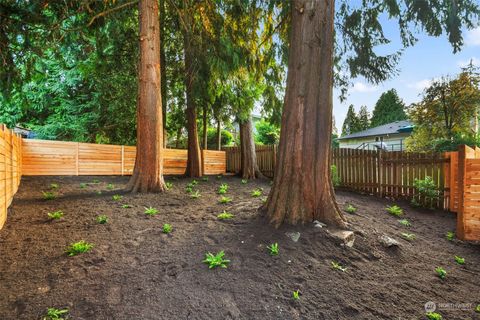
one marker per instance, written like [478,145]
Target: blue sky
[430,58]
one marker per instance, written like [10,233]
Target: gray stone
[347,238]
[388,242]
[293,235]
[318,224]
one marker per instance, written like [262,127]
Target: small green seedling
[273,249]
[433,316]
[296,295]
[264,200]
[96,181]
[395,210]
[110,186]
[216,260]
[351,209]
[117,197]
[167,228]
[126,206]
[194,182]
[223,188]
[83,185]
[219,177]
[415,203]
[189,189]
[55,215]
[150,211]
[405,222]
[441,272]
[55,314]
[450,235]
[78,247]
[54,186]
[195,195]
[102,219]
[338,266]
[225,200]
[225,215]
[408,236]
[168,185]
[477,308]
[205,179]
[459,260]
[244,181]
[256,193]
[48,195]
[99,192]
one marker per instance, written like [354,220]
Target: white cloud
[362,87]
[420,85]
[472,37]
[464,63]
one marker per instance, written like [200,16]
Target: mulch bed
[136,272]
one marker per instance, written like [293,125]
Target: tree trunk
[205,128]
[194,159]
[302,189]
[219,136]
[148,172]
[248,155]
[163,72]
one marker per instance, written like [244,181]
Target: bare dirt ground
[136,272]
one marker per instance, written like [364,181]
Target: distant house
[388,137]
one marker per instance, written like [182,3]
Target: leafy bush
[78,247]
[395,210]
[441,272]
[266,133]
[216,260]
[55,215]
[334,176]
[167,228]
[273,248]
[55,314]
[351,209]
[48,195]
[225,140]
[102,219]
[150,211]
[427,190]
[225,215]
[225,200]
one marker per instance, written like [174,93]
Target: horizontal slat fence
[10,169]
[45,157]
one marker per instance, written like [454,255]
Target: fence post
[76,158]
[123,159]
[380,172]
[462,156]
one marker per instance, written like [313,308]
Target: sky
[430,58]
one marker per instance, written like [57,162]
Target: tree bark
[163,72]
[205,128]
[219,135]
[194,159]
[302,189]
[248,155]
[148,171]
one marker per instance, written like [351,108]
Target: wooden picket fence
[266,157]
[10,168]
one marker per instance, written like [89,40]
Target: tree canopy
[389,108]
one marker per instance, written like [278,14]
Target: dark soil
[137,272]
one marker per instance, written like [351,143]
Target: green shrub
[150,211]
[351,209]
[110,186]
[256,193]
[216,260]
[266,133]
[167,228]
[225,215]
[273,248]
[168,185]
[48,195]
[117,197]
[395,210]
[195,195]
[441,272]
[212,139]
[78,247]
[459,260]
[55,215]
[102,219]
[223,188]
[334,176]
[55,314]
[427,190]
[225,200]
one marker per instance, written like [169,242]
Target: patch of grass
[78,247]
[338,266]
[126,206]
[117,197]
[244,181]
[48,195]
[168,185]
[459,260]
[167,228]
[296,295]
[433,316]
[441,272]
[225,200]
[256,193]
[223,188]
[110,186]
[408,236]
[405,222]
[225,215]
[83,185]
[204,179]
[351,209]
[54,186]
[102,219]
[55,215]
[55,314]
[150,211]
[450,235]
[195,195]
[216,260]
[395,210]
[273,248]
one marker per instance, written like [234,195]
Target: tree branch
[104,13]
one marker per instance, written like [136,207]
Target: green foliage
[167,228]
[126,206]
[395,210]
[334,175]
[338,266]
[266,133]
[433,316]
[204,179]
[95,181]
[78,247]
[477,308]
[388,108]
[351,124]
[48,195]
[351,209]
[54,186]
[195,195]
[363,118]
[225,215]
[256,193]
[168,185]
[223,188]
[405,223]
[450,235]
[224,199]
[110,186]
[441,272]
[102,219]
[150,211]
[55,215]
[244,181]
[273,248]
[117,197]
[459,260]
[216,260]
[83,185]
[427,190]
[296,295]
[55,314]
[408,236]
[226,139]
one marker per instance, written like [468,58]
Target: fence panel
[266,157]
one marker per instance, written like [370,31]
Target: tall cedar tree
[389,108]
[363,118]
[148,171]
[351,124]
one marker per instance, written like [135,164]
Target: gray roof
[389,128]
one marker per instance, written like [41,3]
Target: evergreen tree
[351,122]
[363,118]
[389,108]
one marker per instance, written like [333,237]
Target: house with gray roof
[389,137]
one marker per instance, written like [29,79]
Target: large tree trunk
[302,189]
[194,159]
[163,72]
[219,135]
[148,172]
[205,128]
[247,151]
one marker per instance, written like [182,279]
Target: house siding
[394,142]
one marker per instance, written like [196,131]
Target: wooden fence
[266,157]
[10,169]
